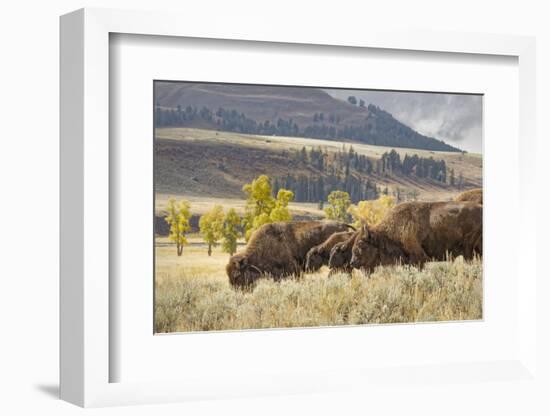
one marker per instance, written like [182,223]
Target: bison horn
[351,226]
[255,268]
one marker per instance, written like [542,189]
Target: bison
[340,255]
[416,232]
[278,250]
[473,195]
[319,255]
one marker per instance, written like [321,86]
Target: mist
[453,118]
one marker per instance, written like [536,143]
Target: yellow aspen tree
[179,213]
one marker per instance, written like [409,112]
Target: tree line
[268,202]
[345,169]
[309,188]
[379,128]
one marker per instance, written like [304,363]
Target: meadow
[192,293]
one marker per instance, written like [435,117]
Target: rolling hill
[282,111]
[211,164]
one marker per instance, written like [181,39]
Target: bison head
[364,253]
[340,255]
[241,273]
[314,260]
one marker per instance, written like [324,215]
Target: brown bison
[278,250]
[340,255]
[473,195]
[416,232]
[319,255]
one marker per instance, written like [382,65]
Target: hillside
[210,164]
[282,111]
[257,102]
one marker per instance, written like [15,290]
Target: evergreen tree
[452,177]
[303,154]
[460,180]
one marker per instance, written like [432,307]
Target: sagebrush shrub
[442,291]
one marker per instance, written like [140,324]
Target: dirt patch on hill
[218,170]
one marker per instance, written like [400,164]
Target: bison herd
[411,233]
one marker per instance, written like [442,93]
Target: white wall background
[29,177]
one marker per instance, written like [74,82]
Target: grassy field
[193,294]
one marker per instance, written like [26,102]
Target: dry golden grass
[202,204]
[193,294]
[193,264]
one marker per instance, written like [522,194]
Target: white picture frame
[85,354]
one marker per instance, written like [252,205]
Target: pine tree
[452,177]
[460,180]
[303,154]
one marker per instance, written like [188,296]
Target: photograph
[282,206]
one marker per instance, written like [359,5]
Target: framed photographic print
[318,214]
[275,205]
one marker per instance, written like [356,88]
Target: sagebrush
[443,291]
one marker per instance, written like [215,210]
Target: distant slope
[258,102]
[209,164]
[309,112]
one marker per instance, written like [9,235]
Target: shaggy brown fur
[376,249]
[319,255]
[473,195]
[416,232]
[278,250]
[340,255]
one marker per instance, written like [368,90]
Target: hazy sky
[454,118]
